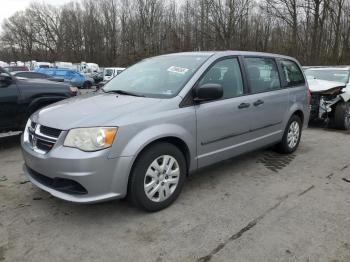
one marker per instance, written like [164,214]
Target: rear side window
[262,74]
[227,73]
[292,73]
[32,75]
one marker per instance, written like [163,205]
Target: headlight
[91,139]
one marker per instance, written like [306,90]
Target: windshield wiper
[123,92]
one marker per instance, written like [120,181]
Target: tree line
[121,32]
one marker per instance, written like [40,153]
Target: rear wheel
[341,117]
[291,136]
[87,85]
[157,178]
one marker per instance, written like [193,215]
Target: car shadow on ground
[323,126]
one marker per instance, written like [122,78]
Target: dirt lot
[258,207]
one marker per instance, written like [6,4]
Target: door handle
[258,102]
[244,105]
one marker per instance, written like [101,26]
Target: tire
[287,146]
[141,180]
[341,117]
[87,85]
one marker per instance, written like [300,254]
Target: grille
[42,138]
[49,131]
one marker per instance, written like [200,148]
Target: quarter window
[262,74]
[227,73]
[292,73]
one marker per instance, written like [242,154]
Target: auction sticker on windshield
[179,70]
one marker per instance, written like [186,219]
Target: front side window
[262,74]
[292,73]
[159,77]
[227,73]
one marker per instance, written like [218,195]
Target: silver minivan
[162,119]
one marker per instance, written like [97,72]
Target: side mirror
[208,92]
[5,80]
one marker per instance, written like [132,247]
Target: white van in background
[88,69]
[110,72]
[65,65]
[37,65]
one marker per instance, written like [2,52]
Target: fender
[292,110]
[142,139]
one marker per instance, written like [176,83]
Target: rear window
[292,73]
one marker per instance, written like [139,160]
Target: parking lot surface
[259,207]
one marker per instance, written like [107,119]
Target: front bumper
[103,178]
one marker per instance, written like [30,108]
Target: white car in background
[330,95]
[110,72]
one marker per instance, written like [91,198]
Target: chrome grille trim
[35,138]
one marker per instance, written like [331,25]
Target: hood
[39,83]
[317,85]
[99,109]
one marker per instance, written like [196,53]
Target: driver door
[223,124]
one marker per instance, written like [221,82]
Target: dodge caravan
[162,119]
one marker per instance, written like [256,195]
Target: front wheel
[87,85]
[341,117]
[157,177]
[291,136]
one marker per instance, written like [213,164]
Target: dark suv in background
[19,98]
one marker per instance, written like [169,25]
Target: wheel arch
[299,114]
[38,103]
[176,141]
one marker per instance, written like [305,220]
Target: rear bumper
[77,176]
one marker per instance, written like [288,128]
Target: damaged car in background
[330,95]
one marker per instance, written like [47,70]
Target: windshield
[329,75]
[108,72]
[159,77]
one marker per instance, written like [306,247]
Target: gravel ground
[258,207]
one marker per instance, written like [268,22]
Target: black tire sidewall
[136,192]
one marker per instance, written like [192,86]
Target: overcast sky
[9,7]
